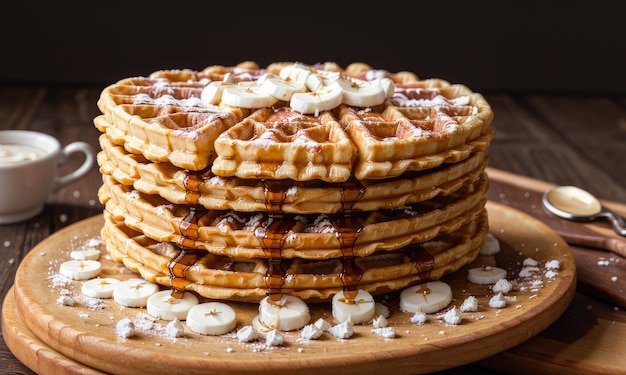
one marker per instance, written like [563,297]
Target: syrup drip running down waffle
[235,201]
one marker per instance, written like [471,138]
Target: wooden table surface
[560,139]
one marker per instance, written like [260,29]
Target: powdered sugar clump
[175,328]
[503,285]
[497,301]
[453,316]
[310,332]
[342,331]
[419,318]
[125,328]
[470,304]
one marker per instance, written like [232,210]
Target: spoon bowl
[574,203]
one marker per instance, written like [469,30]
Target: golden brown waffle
[239,182]
[314,236]
[163,118]
[224,277]
[221,193]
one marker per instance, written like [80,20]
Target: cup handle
[72,148]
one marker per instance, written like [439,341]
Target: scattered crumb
[419,318]
[550,274]
[470,304]
[342,331]
[553,264]
[322,324]
[503,285]
[247,334]
[310,332]
[380,322]
[65,301]
[274,338]
[386,332]
[125,328]
[530,262]
[453,316]
[175,328]
[497,301]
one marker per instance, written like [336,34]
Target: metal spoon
[574,203]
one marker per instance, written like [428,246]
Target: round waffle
[315,236]
[164,119]
[250,195]
[225,277]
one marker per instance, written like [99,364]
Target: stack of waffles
[244,182]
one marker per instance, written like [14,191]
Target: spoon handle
[616,220]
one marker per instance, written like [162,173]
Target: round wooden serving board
[82,339]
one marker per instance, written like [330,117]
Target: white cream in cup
[28,171]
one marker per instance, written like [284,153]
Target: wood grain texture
[88,336]
[598,250]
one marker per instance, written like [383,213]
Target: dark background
[491,46]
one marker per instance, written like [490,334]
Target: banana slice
[99,288]
[387,85]
[80,269]
[295,73]
[491,246]
[287,314]
[162,305]
[486,275]
[134,292]
[428,297]
[361,93]
[314,102]
[277,87]
[212,93]
[245,96]
[357,310]
[85,254]
[211,318]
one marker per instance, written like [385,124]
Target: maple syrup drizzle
[192,183]
[348,229]
[421,258]
[271,236]
[351,192]
[187,257]
[178,267]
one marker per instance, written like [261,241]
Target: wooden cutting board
[80,334]
[601,272]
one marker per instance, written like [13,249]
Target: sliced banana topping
[162,305]
[99,288]
[315,102]
[307,90]
[486,275]
[356,310]
[212,318]
[361,93]
[295,73]
[212,93]
[85,254]
[280,89]
[428,297]
[134,292]
[247,97]
[491,246]
[287,314]
[80,269]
